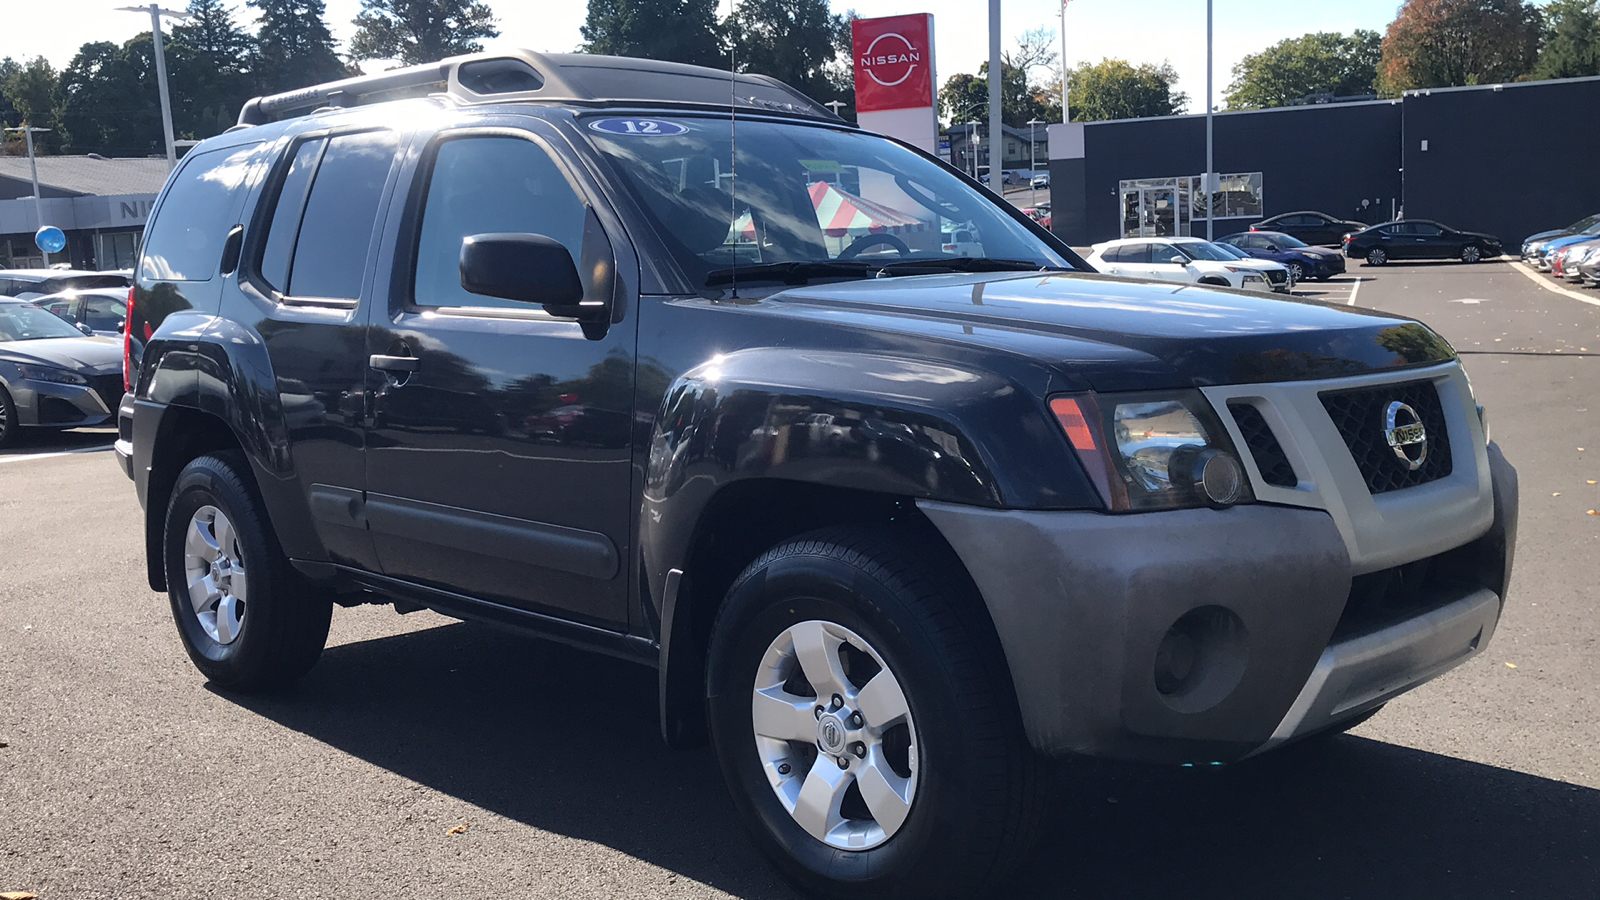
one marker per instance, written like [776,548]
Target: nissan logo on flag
[893,62]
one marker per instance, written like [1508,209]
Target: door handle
[394,363]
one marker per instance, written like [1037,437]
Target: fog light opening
[1200,659]
[1215,475]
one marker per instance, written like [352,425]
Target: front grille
[1264,446]
[1276,276]
[109,388]
[1360,416]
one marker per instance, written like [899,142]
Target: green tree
[1117,89]
[1447,43]
[1572,44]
[1022,97]
[10,117]
[108,99]
[797,42]
[295,48]
[419,31]
[676,30]
[1320,63]
[209,58]
[964,98]
[32,90]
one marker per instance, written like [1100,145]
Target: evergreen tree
[295,48]
[109,103]
[1572,48]
[419,31]
[797,42]
[32,92]
[676,30]
[209,62]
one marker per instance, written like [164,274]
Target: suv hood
[86,355]
[1119,334]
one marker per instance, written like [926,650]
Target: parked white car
[1187,259]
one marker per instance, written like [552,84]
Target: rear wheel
[1471,253]
[10,431]
[247,619]
[865,723]
[1377,256]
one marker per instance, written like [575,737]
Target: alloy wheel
[1471,254]
[214,566]
[835,736]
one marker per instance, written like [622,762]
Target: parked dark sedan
[1302,261]
[1312,227]
[1419,239]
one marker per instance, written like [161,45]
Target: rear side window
[317,241]
[184,242]
[104,313]
[483,185]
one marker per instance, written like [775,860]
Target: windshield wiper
[968,264]
[791,272]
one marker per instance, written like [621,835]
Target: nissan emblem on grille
[1402,428]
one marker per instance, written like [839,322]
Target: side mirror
[529,268]
[85,329]
[1273,248]
[1179,260]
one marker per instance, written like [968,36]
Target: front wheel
[10,431]
[1471,253]
[1377,256]
[1297,273]
[248,621]
[864,720]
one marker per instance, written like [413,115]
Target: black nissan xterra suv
[675,366]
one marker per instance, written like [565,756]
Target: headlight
[1153,451]
[52,375]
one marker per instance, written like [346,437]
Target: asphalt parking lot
[425,757]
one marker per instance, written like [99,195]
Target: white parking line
[1356,290]
[29,457]
[1551,286]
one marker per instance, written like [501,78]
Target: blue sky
[1137,30]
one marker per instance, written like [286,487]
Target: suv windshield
[807,202]
[22,322]
[1203,250]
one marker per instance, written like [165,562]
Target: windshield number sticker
[638,127]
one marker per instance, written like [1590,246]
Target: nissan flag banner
[894,77]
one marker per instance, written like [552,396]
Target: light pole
[972,141]
[28,132]
[156,12]
[1209,179]
[1066,114]
[1033,157]
[997,147]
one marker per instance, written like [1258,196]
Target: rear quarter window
[184,241]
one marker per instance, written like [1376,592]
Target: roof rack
[523,76]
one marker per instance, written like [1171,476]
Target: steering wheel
[873,240]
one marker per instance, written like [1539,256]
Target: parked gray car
[103,311]
[51,374]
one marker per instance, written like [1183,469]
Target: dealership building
[1507,159]
[100,203]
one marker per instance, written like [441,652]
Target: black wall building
[1507,159]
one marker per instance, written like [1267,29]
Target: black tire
[1377,256]
[1471,253]
[10,431]
[1297,273]
[285,625]
[973,817]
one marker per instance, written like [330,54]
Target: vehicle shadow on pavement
[567,742]
[32,441]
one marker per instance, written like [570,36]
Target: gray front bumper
[49,404]
[1082,602]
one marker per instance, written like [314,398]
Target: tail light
[127,345]
[1254,228]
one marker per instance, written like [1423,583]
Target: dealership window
[1168,207]
[117,249]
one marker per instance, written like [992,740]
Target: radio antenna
[733,146]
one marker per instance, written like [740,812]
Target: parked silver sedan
[52,375]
